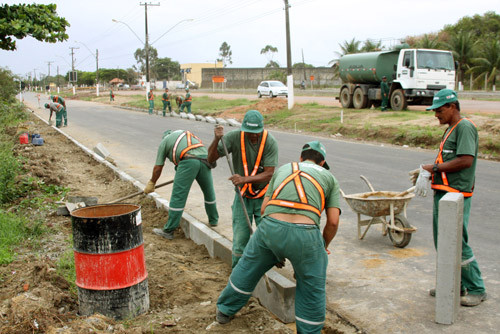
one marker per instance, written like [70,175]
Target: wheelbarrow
[382,204]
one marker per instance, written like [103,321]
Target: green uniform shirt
[167,146]
[384,88]
[166,97]
[58,99]
[56,106]
[462,141]
[269,156]
[325,179]
[151,96]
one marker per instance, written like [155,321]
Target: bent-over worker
[60,100]
[254,153]
[187,153]
[290,229]
[58,109]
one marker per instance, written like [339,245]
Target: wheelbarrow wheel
[400,239]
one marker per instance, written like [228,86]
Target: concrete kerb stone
[183,114]
[200,118]
[282,298]
[191,117]
[221,121]
[210,119]
[233,122]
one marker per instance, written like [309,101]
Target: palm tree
[489,62]
[462,45]
[346,48]
[371,46]
[429,42]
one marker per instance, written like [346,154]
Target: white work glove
[150,187]
[423,182]
[414,175]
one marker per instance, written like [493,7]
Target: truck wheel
[345,98]
[359,99]
[398,100]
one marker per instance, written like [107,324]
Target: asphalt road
[132,139]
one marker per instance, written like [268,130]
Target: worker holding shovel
[58,109]
[290,229]
[187,153]
[254,156]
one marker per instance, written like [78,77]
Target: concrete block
[281,300]
[223,249]
[233,122]
[200,118]
[221,121]
[210,119]
[101,151]
[203,235]
[73,206]
[88,200]
[191,117]
[174,114]
[183,114]
[449,257]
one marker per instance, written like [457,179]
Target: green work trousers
[471,279]
[187,105]
[165,105]
[65,116]
[151,106]
[272,242]
[186,172]
[241,233]
[59,117]
[385,102]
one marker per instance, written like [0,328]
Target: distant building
[193,71]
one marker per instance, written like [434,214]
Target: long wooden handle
[139,192]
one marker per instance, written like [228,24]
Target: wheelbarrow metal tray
[377,203]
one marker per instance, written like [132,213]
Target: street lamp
[96,55]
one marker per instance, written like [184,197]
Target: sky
[192,31]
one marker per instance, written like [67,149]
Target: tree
[370,46]
[38,21]
[302,65]
[462,45]
[8,88]
[166,68]
[225,54]
[269,52]
[140,57]
[272,64]
[347,47]
[489,62]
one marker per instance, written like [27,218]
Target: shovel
[238,190]
[139,192]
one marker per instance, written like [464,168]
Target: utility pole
[303,64]
[57,77]
[73,61]
[146,45]
[48,63]
[288,47]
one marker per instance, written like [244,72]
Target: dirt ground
[184,281]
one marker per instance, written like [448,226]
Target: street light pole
[96,55]
[289,59]
[146,46]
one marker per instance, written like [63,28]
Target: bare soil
[184,281]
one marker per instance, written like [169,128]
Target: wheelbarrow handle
[367,182]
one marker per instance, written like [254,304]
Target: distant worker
[254,154]
[60,100]
[384,91]
[166,102]
[454,171]
[111,95]
[303,85]
[290,229]
[58,109]
[187,101]
[189,155]
[151,99]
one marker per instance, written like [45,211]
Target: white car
[272,88]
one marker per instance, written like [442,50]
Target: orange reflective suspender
[151,96]
[304,203]
[165,99]
[189,146]
[188,98]
[439,160]
[248,186]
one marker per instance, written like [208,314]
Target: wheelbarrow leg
[359,226]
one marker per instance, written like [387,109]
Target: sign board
[73,76]
[311,78]
[218,78]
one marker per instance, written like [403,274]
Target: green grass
[66,266]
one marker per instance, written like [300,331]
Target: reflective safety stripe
[176,209]
[211,202]
[304,203]
[151,97]
[188,98]
[189,147]
[466,262]
[309,322]
[239,290]
[248,186]
[439,160]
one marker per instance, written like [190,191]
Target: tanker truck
[413,75]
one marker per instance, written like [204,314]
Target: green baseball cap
[253,122]
[47,105]
[442,97]
[318,147]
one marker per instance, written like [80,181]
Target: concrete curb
[281,300]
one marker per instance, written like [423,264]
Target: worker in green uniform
[111,95]
[187,101]
[151,99]
[60,100]
[384,91]
[166,102]
[188,154]
[254,155]
[454,171]
[58,109]
[290,229]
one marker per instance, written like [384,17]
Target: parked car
[272,88]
